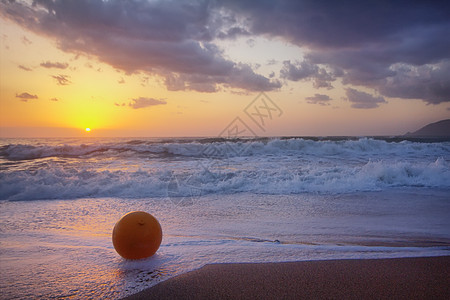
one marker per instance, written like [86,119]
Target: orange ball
[137,235]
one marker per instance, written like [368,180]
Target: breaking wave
[142,168]
[222,148]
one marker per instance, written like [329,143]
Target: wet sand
[402,278]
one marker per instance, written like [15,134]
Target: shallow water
[63,248]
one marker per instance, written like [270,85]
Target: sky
[222,68]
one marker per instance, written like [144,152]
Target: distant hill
[438,129]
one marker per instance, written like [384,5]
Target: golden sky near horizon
[49,87]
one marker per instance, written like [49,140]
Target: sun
[88,129]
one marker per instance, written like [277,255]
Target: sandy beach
[401,278]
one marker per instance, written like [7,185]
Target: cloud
[361,99]
[234,32]
[240,76]
[323,79]
[305,70]
[26,41]
[361,41]
[251,43]
[56,65]
[54,99]
[358,42]
[26,96]
[319,99]
[25,68]
[298,70]
[62,79]
[143,102]
[337,24]
[121,80]
[163,38]
[428,82]
[144,81]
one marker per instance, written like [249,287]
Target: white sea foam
[70,183]
[221,147]
[142,169]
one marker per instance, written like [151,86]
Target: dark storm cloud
[306,70]
[26,96]
[362,39]
[143,102]
[424,82]
[233,33]
[298,70]
[55,65]
[361,43]
[158,37]
[361,99]
[340,24]
[240,76]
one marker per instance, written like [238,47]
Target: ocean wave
[58,182]
[211,148]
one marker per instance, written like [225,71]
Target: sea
[218,201]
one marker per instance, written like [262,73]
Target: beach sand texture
[400,278]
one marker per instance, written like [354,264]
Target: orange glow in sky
[144,85]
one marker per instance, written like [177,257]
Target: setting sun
[88,129]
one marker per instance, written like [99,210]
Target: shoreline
[390,278]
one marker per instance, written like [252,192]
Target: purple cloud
[306,70]
[143,102]
[431,82]
[361,99]
[319,99]
[362,43]
[62,79]
[25,68]
[26,96]
[164,38]
[298,70]
[56,65]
